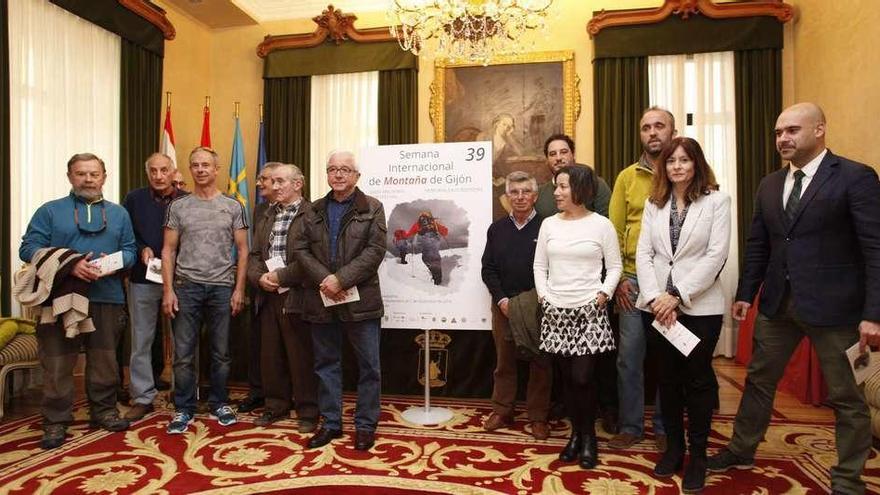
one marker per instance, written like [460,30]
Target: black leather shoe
[669,464]
[110,422]
[323,437]
[53,436]
[364,440]
[570,451]
[726,460]
[269,417]
[251,403]
[694,475]
[589,454]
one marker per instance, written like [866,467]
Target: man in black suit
[815,246]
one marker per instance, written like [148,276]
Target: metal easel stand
[427,415]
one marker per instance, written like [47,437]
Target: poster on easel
[438,206]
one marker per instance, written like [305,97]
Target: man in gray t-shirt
[203,283]
[206,228]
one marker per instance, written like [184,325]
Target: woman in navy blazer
[682,248]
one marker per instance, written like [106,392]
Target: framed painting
[515,102]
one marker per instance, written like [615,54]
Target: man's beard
[88,194]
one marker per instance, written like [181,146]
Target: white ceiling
[277,10]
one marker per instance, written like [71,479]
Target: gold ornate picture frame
[516,102]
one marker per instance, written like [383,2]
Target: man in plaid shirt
[286,345]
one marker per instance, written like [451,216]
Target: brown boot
[495,421]
[540,430]
[138,411]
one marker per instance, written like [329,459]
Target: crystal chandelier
[468,30]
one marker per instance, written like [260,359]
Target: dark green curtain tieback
[795,197]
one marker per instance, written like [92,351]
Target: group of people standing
[302,252]
[812,246]
[654,245]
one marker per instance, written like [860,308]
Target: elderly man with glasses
[339,245]
[88,226]
[507,273]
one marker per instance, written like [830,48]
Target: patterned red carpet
[457,457]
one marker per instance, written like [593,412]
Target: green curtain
[398,106]
[5,210]
[140,113]
[287,111]
[758,76]
[332,58]
[696,34]
[620,95]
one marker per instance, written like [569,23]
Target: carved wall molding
[685,8]
[154,14]
[333,24]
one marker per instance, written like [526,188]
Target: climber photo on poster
[438,206]
[428,239]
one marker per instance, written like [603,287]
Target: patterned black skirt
[576,331]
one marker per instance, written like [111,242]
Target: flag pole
[167,100]
[207,103]
[236,109]
[261,113]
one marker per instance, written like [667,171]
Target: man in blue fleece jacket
[86,223]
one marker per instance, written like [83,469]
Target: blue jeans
[144,302]
[200,302]
[630,372]
[364,338]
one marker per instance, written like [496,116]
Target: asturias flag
[238,186]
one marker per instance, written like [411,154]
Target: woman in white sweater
[572,246]
[682,248]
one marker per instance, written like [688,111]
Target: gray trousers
[773,343]
[58,356]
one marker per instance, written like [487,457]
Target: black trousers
[688,382]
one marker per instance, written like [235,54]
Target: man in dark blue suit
[815,246]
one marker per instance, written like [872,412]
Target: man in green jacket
[631,189]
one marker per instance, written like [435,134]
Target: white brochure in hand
[349,295]
[678,335]
[274,263]
[108,264]
[863,364]
[154,270]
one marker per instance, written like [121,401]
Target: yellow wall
[835,62]
[187,75]
[224,64]
[830,58]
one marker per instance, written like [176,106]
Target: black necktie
[795,197]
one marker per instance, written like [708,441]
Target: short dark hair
[559,137]
[85,157]
[581,181]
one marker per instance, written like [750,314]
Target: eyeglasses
[520,192]
[340,170]
[180,184]
[87,230]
